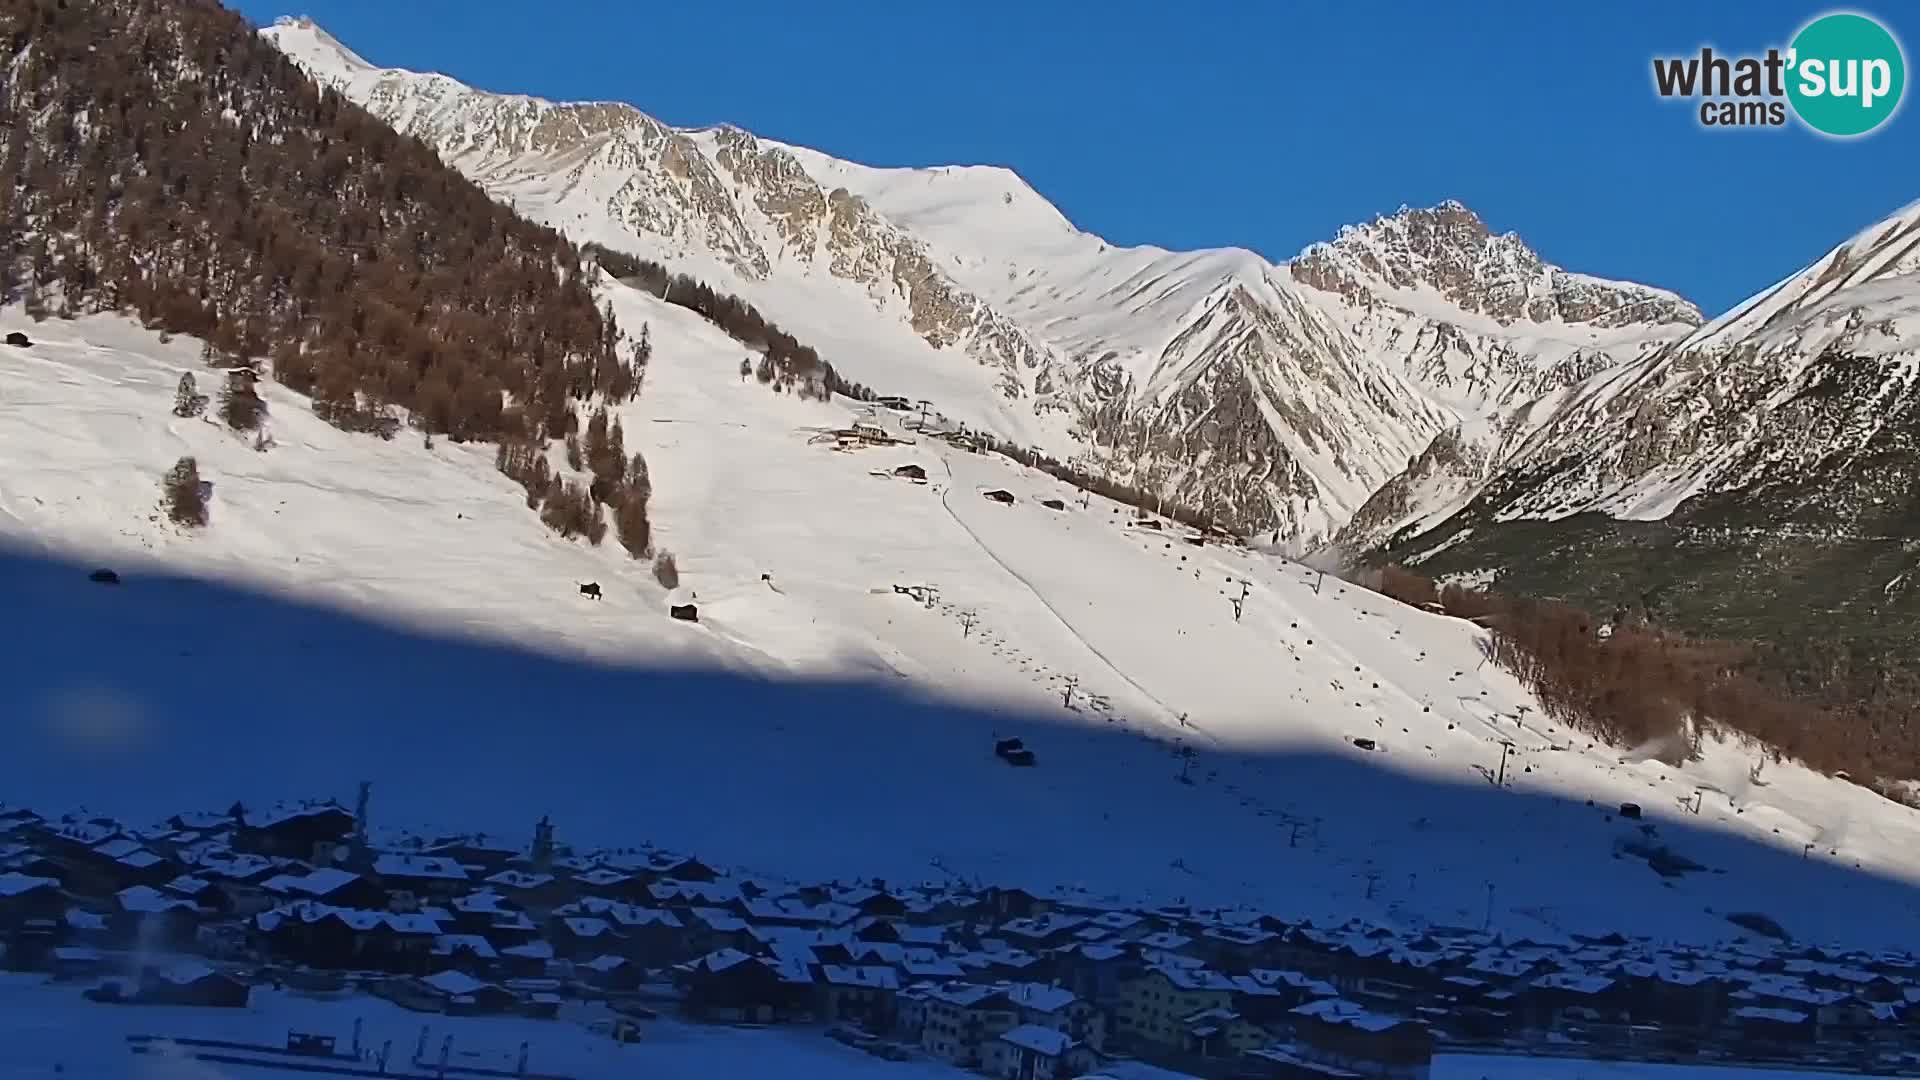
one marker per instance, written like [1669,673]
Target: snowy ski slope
[360,609]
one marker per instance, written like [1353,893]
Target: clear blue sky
[1263,125]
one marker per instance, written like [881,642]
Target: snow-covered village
[268,936]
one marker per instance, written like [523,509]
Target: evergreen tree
[639,480]
[630,522]
[240,404]
[187,399]
[181,494]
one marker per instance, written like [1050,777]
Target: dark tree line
[1143,501]
[1639,683]
[784,364]
[163,160]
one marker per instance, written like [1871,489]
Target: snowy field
[375,610]
[46,1025]
[43,1025]
[1463,1067]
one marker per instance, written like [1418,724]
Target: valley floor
[46,1029]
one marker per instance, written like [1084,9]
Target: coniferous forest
[165,162]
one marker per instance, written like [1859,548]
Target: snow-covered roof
[871,976]
[316,883]
[418,866]
[448,944]
[1193,978]
[184,973]
[1575,982]
[147,900]
[520,879]
[964,995]
[1040,997]
[939,968]
[117,848]
[454,983]
[285,812]
[1041,1040]
[1342,1011]
[720,960]
[15,884]
[311,911]
[625,915]
[1777,1016]
[585,927]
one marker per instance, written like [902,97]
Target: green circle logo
[1846,74]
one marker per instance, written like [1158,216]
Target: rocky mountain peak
[1449,253]
[299,36]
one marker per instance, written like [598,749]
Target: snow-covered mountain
[401,618]
[1278,397]
[1796,410]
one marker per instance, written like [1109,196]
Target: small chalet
[149,917]
[203,893]
[856,994]
[1032,1052]
[411,880]
[24,897]
[582,936]
[648,936]
[1345,1035]
[328,885]
[1222,1034]
[532,892]
[476,851]
[348,939]
[915,473]
[192,983]
[310,833]
[999,495]
[615,974]
[1774,1027]
[530,960]
[470,953]
[730,985]
[460,994]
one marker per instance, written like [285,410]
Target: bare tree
[666,570]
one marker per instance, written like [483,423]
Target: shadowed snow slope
[360,609]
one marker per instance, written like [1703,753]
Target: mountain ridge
[963,285]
